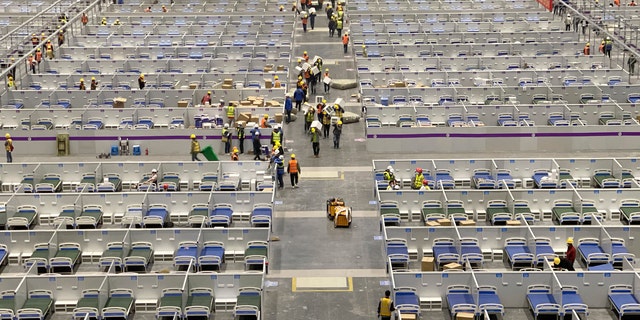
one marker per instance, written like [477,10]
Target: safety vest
[417,181]
[10,84]
[275,136]
[38,56]
[385,307]
[240,133]
[339,112]
[195,146]
[225,133]
[309,116]
[314,136]
[85,19]
[389,176]
[339,24]
[326,119]
[293,166]
[48,47]
[345,39]
[231,112]
[263,123]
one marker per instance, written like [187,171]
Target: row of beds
[52,182]
[121,304]
[189,255]
[96,124]
[445,251]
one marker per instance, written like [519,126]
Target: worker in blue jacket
[279,162]
[298,96]
[288,106]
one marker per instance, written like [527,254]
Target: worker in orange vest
[35,40]
[31,63]
[48,49]
[304,18]
[294,170]
[38,56]
[587,49]
[84,19]
[345,41]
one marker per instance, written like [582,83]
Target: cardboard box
[119,102]
[464,316]
[432,224]
[258,103]
[428,263]
[254,119]
[193,86]
[409,316]
[183,103]
[278,117]
[244,116]
[280,67]
[268,84]
[444,222]
[227,81]
[245,103]
[467,223]
[452,266]
[513,223]
[227,86]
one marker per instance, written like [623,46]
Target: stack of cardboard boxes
[227,84]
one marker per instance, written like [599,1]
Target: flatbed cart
[343,217]
[332,204]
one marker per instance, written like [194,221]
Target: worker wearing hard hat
[337,132]
[241,135]
[206,99]
[8,146]
[563,263]
[288,107]
[276,82]
[389,174]
[315,142]
[418,177]
[293,169]
[195,148]
[587,49]
[571,251]
[141,81]
[264,122]
[82,86]
[94,83]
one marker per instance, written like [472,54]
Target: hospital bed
[565,179]
[521,210]
[489,300]
[544,250]
[133,215]
[145,186]
[212,256]
[389,213]
[198,215]
[459,299]
[39,305]
[4,256]
[140,257]
[248,303]
[542,302]
[87,183]
[470,251]
[111,183]
[7,304]
[591,253]
[39,257]
[67,258]
[482,179]
[229,182]
[407,300]
[119,305]
[24,218]
[186,255]
[444,251]
[156,216]
[51,182]
[628,179]
[171,180]
[572,301]
[170,304]
[619,253]
[93,124]
[199,303]
[221,215]
[518,254]
[261,215]
[88,305]
[432,210]
[603,178]
[262,185]
[256,255]
[498,213]
[564,213]
[90,217]
[589,210]
[67,217]
[398,254]
[208,182]
[504,179]
[630,211]
[623,301]
[27,183]
[542,179]
[115,254]
[456,211]
[444,180]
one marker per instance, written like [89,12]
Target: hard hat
[193,136]
[324,101]
[281,157]
[276,77]
[37,49]
[425,182]
[142,76]
[154,170]
[339,122]
[299,77]
[7,136]
[419,170]
[103,18]
[304,52]
[324,112]
[364,46]
[235,149]
[226,125]
[556,260]
[118,20]
[299,60]
[44,34]
[93,78]
[570,240]
[389,168]
[163,6]
[277,152]
[81,80]
[327,69]
[396,187]
[336,106]
[293,156]
[568,14]
[588,44]
[266,116]
[208,92]
[313,129]
[255,126]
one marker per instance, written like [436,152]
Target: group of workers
[418,181]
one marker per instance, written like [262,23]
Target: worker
[12,67]
[276,82]
[147,9]
[300,81]
[332,25]
[48,49]
[31,63]
[364,51]
[221,103]
[568,21]
[587,49]
[304,18]
[338,110]
[231,113]
[293,169]
[345,42]
[563,263]
[60,38]
[389,174]
[608,45]
[339,23]
[298,97]
[295,9]
[264,121]
[631,62]
[234,154]
[326,124]
[11,84]
[425,185]
[38,56]
[288,107]
[312,81]
[141,81]
[312,17]
[337,132]
[275,137]
[616,2]
[84,19]
[279,163]
[8,146]
[393,185]
[195,148]
[416,183]
[240,133]
[94,83]
[281,8]
[226,138]
[104,21]
[255,139]
[305,56]
[327,81]
[318,64]
[571,251]
[82,85]
[153,178]
[329,11]
[385,306]
[164,9]
[206,99]
[35,41]
[320,107]
[308,118]
[315,143]
[632,3]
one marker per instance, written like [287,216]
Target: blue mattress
[571,298]
[544,249]
[158,212]
[540,184]
[619,248]
[513,250]
[187,252]
[227,212]
[459,298]
[213,251]
[488,297]
[396,249]
[438,250]
[620,299]
[536,299]
[407,298]
[601,267]
[586,249]
[3,255]
[261,212]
